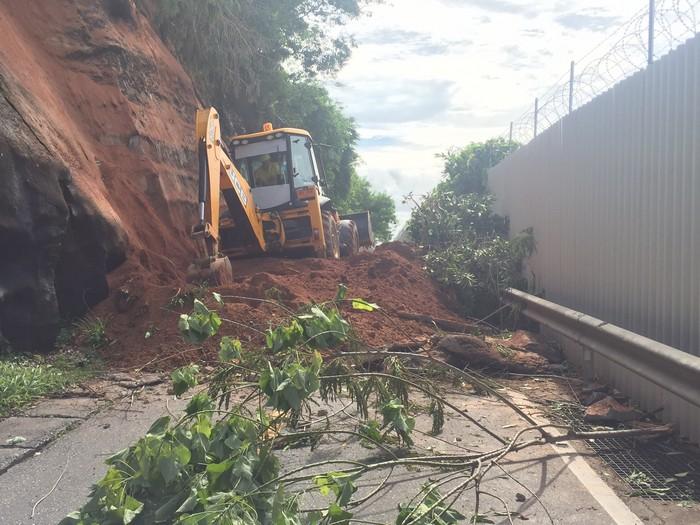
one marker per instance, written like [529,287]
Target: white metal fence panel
[613,194]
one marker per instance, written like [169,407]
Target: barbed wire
[627,50]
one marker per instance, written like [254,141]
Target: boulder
[608,410]
[594,397]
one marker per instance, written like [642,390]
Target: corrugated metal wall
[613,194]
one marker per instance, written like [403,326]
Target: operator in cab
[270,172]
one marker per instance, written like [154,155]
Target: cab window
[268,169]
[302,165]
[263,163]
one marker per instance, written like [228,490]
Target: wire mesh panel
[660,470]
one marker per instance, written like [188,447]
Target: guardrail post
[510,133]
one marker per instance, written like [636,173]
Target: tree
[466,169]
[237,51]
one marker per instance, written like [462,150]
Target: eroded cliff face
[96,159]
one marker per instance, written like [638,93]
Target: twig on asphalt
[65,467]
[528,489]
[503,502]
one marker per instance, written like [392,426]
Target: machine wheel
[330,235]
[349,238]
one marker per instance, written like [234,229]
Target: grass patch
[25,378]
[92,330]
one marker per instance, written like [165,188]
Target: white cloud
[428,75]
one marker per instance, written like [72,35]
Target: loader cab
[279,165]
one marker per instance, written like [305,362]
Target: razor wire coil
[627,52]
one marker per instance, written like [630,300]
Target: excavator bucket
[216,271]
[363,222]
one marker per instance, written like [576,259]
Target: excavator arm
[218,174]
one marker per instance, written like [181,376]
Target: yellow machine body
[260,195]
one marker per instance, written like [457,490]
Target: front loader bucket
[363,221]
[216,271]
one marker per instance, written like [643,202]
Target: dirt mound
[143,328]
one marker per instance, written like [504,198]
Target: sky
[430,75]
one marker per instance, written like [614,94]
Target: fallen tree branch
[443,324]
[133,385]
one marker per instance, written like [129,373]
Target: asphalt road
[552,491]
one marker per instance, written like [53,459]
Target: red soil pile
[142,317]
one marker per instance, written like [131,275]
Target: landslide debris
[392,277]
[142,316]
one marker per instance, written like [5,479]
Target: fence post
[537,109]
[571,88]
[652,20]
[510,134]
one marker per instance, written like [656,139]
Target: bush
[467,244]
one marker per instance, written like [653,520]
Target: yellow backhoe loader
[273,202]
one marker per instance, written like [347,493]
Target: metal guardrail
[667,367]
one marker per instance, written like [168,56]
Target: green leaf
[72,519]
[338,516]
[372,431]
[158,428]
[339,483]
[168,468]
[199,325]
[396,417]
[361,304]
[132,508]
[184,378]
[166,512]
[199,403]
[229,349]
[430,511]
[190,503]
[182,454]
[217,298]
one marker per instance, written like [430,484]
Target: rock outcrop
[96,159]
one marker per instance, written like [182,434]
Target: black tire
[349,238]
[330,235]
